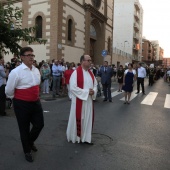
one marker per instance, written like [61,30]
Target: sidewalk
[43,97]
[48,97]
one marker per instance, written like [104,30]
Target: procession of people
[24,80]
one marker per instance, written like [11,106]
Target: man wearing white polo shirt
[140,80]
[23,86]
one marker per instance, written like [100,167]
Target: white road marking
[133,95]
[115,93]
[167,101]
[149,99]
[45,111]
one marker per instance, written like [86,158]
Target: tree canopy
[11,31]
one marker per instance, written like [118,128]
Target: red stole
[79,102]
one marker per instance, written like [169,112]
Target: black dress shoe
[105,100]
[28,157]
[110,100]
[33,148]
[137,93]
[89,143]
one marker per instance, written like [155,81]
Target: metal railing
[121,53]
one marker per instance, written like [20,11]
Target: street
[126,137]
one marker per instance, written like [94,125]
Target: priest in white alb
[83,86]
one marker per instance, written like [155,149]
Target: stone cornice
[77,3]
[95,12]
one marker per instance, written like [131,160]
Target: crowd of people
[22,80]
[55,76]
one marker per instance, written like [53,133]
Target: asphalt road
[126,137]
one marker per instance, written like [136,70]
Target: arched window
[70,23]
[38,22]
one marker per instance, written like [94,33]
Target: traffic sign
[104,53]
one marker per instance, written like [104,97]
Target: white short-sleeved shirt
[134,71]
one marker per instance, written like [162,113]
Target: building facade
[128,26]
[71,27]
[152,52]
[147,52]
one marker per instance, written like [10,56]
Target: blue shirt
[57,70]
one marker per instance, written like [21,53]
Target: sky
[156,22]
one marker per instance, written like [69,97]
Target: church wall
[55,14]
[72,54]
[109,30]
[43,9]
[37,7]
[73,51]
[101,9]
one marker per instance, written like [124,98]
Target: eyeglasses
[88,60]
[29,55]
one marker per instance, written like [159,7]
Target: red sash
[79,102]
[31,94]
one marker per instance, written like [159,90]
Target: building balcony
[136,47]
[136,36]
[136,26]
[149,54]
[149,57]
[137,6]
[136,15]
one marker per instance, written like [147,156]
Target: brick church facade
[71,28]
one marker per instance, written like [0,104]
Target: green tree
[11,31]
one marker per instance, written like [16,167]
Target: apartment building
[71,27]
[152,52]
[166,63]
[161,53]
[156,46]
[128,26]
[147,52]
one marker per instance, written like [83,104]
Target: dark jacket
[106,75]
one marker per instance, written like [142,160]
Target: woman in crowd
[45,76]
[120,74]
[128,81]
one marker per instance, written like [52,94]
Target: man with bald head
[83,86]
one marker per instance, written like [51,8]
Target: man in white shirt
[23,86]
[140,80]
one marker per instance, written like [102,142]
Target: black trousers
[2,100]
[140,81]
[151,80]
[107,91]
[28,113]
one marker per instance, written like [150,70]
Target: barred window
[38,22]
[109,45]
[70,23]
